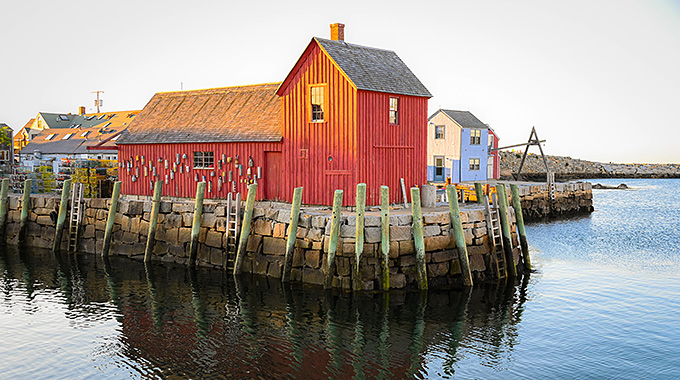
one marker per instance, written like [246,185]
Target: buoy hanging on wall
[259,172]
[251,163]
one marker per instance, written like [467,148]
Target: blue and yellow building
[458,148]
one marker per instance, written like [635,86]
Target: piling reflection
[185,323]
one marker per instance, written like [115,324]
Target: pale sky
[600,80]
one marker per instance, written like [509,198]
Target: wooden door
[272,179]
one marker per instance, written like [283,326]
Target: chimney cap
[338,32]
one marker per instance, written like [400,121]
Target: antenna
[98,102]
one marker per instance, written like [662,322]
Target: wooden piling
[517,205]
[196,225]
[3,209]
[26,200]
[359,235]
[385,243]
[155,207]
[111,218]
[459,234]
[292,234]
[418,239]
[333,244]
[61,218]
[505,228]
[479,192]
[245,228]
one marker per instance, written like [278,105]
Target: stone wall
[266,244]
[266,247]
[570,199]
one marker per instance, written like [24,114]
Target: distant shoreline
[567,168]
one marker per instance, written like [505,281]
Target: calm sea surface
[603,303]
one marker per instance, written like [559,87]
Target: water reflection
[172,321]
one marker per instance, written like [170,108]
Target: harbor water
[603,302]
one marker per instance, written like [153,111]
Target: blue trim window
[475,136]
[439,132]
[474,164]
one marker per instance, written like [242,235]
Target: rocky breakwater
[266,243]
[566,168]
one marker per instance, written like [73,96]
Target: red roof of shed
[228,114]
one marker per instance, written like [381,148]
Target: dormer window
[394,110]
[84,134]
[67,136]
[317,100]
[50,136]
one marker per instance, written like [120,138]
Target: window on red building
[204,160]
[394,110]
[317,100]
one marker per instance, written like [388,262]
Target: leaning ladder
[493,224]
[233,221]
[76,216]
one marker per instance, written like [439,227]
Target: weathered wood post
[479,192]
[155,207]
[359,235]
[245,228]
[418,239]
[25,204]
[196,225]
[505,228]
[3,209]
[517,205]
[385,242]
[333,244]
[61,217]
[111,218]
[459,235]
[292,234]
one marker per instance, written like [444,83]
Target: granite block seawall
[266,243]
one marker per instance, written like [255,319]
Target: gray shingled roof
[374,69]
[464,118]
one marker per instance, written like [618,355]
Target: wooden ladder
[233,221]
[76,216]
[551,186]
[493,224]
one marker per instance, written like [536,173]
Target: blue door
[438,168]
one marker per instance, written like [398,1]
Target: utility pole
[97,102]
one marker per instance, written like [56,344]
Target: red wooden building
[345,114]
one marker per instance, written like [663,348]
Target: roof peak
[229,88]
[343,42]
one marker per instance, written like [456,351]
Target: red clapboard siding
[307,146]
[183,184]
[389,152]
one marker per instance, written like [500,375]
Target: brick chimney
[81,110]
[338,32]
